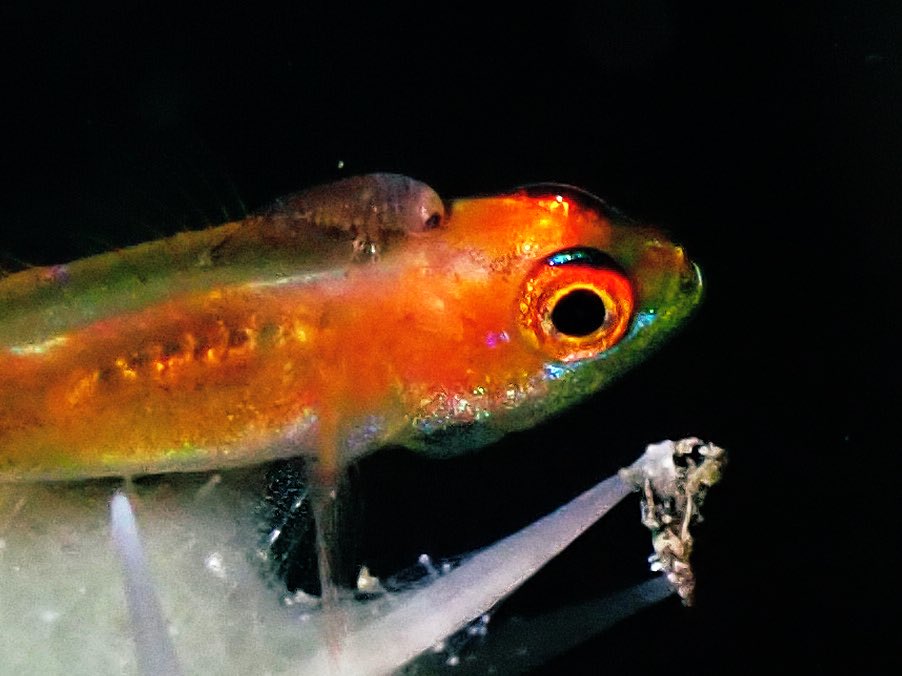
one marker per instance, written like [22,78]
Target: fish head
[560,295]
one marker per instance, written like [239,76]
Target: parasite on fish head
[371,211]
[412,204]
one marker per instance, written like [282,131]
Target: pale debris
[675,477]
[368,583]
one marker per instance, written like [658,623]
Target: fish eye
[576,304]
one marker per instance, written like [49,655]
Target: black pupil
[433,221]
[579,313]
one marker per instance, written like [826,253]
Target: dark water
[768,139]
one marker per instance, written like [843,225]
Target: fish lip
[698,281]
[700,285]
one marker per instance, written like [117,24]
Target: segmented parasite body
[373,209]
[342,319]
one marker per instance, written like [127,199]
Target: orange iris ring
[545,290]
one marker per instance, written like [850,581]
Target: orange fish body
[292,333]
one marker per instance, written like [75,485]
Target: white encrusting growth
[155,653]
[674,478]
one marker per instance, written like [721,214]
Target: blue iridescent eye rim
[583,255]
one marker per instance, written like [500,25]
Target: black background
[767,138]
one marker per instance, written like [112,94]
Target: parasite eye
[433,221]
[576,304]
